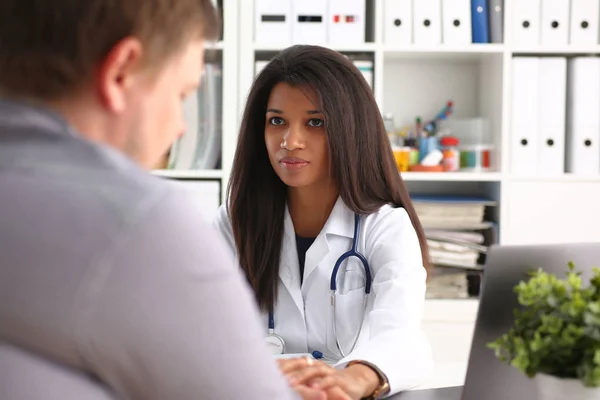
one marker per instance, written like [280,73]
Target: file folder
[427,19]
[583,118]
[524,130]
[555,22]
[310,22]
[273,22]
[585,15]
[346,22]
[526,22]
[496,19]
[480,22]
[552,101]
[456,22]
[398,22]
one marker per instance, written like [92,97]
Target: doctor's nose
[293,138]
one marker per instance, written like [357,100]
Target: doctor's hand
[344,384]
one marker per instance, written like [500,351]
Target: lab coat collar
[340,223]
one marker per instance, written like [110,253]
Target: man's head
[117,70]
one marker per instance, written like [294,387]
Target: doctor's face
[295,136]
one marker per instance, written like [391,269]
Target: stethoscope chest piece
[275,344]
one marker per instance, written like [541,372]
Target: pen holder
[427,145]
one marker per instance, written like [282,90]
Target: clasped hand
[315,380]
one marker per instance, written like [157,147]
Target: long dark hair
[363,164]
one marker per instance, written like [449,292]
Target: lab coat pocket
[349,311]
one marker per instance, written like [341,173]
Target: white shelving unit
[416,80]
[225,51]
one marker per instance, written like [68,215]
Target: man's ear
[117,72]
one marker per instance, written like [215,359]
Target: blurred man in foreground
[111,283]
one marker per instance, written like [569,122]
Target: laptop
[488,378]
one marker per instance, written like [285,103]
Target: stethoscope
[276,342]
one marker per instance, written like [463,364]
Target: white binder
[398,22]
[555,22]
[456,22]
[427,22]
[273,22]
[346,22]
[526,22]
[552,101]
[583,116]
[585,15]
[524,129]
[310,22]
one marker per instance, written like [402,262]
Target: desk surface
[446,393]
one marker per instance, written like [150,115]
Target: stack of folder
[454,227]
[555,22]
[451,22]
[322,22]
[555,125]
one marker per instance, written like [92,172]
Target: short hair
[48,48]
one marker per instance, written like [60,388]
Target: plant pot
[552,388]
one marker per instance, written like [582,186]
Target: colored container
[414,151]
[426,145]
[451,160]
[475,158]
[402,156]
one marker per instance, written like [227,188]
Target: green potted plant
[556,335]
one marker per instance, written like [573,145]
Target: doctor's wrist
[365,376]
[376,383]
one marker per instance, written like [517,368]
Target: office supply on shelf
[475,158]
[310,22]
[555,22]
[526,17]
[552,109]
[273,22]
[480,21]
[525,109]
[584,22]
[346,22]
[427,22]
[496,20]
[456,22]
[583,118]
[454,212]
[451,160]
[398,22]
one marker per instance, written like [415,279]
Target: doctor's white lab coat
[391,336]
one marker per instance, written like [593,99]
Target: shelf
[566,178]
[468,52]
[189,174]
[452,176]
[556,50]
[351,48]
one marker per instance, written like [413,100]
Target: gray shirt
[114,273]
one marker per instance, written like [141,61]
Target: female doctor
[313,178]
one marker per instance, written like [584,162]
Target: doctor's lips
[293,163]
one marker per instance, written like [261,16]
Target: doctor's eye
[315,122]
[276,121]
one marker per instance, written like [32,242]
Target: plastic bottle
[451,159]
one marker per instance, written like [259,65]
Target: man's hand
[308,393]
